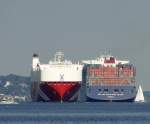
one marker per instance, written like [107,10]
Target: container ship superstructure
[60,80]
[109,79]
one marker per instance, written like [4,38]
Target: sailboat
[139,96]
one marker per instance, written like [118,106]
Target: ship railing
[106,84]
[109,77]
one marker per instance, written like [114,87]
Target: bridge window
[116,90]
[99,90]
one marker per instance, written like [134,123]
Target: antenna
[109,52]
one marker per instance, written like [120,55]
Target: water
[76,113]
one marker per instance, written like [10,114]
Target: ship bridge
[59,58]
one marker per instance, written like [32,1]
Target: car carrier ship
[59,80]
[109,79]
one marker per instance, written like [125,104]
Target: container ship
[109,79]
[60,80]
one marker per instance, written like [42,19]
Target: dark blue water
[76,113]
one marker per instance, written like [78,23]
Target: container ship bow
[60,80]
[109,79]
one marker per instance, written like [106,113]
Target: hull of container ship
[111,93]
[55,91]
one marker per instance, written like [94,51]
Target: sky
[82,29]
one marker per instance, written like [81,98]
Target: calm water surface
[76,113]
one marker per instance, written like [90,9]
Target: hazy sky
[82,29]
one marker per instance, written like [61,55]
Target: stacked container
[120,74]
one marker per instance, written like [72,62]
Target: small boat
[8,101]
[139,96]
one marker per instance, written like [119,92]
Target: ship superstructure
[109,79]
[59,80]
